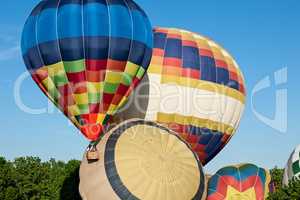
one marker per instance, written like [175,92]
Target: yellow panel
[154,69]
[187,36]
[81,98]
[157,60]
[202,44]
[113,77]
[100,118]
[131,68]
[205,85]
[48,83]
[122,102]
[95,87]
[186,120]
[233,194]
[217,53]
[112,109]
[73,110]
[55,69]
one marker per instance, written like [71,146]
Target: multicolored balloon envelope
[142,160]
[292,169]
[194,87]
[240,182]
[87,56]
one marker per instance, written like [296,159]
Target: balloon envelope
[240,182]
[142,160]
[292,169]
[194,87]
[87,56]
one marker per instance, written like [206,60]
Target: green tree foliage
[277,175]
[291,192]
[31,179]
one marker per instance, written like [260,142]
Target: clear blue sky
[263,36]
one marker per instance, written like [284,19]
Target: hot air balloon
[194,87]
[142,160]
[245,181]
[292,169]
[87,56]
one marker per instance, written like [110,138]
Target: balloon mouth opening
[92,131]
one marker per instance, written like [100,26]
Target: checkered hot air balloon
[240,182]
[292,169]
[87,56]
[194,87]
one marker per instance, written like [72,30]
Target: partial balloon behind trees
[292,169]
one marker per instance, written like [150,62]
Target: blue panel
[54,4]
[147,58]
[134,6]
[38,8]
[104,2]
[46,26]
[247,171]
[119,49]
[262,175]
[140,33]
[222,76]
[190,57]
[96,21]
[233,84]
[137,53]
[214,143]
[213,184]
[205,137]
[68,2]
[50,52]
[96,47]
[33,59]
[70,21]
[173,48]
[208,68]
[229,171]
[120,22]
[29,35]
[71,49]
[149,40]
[160,40]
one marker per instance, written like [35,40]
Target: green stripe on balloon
[74,66]
[84,108]
[127,79]
[60,79]
[140,73]
[94,97]
[110,87]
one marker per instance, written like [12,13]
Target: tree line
[28,178]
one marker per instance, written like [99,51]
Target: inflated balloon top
[87,56]
[240,182]
[195,87]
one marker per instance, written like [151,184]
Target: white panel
[171,98]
